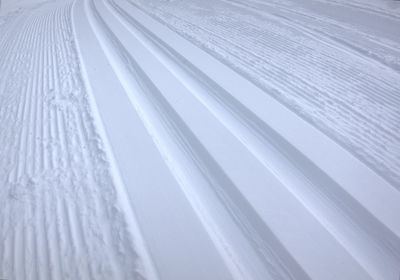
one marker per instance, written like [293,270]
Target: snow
[338,68]
[9,6]
[217,139]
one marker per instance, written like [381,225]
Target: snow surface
[335,63]
[200,139]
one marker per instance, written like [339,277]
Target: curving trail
[158,140]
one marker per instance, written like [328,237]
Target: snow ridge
[199,140]
[340,77]
[61,217]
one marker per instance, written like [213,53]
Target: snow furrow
[168,132]
[186,151]
[266,145]
[310,199]
[372,7]
[61,216]
[218,140]
[338,91]
[328,31]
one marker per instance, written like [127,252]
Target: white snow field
[200,139]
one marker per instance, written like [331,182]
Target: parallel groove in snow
[61,217]
[317,193]
[166,127]
[260,203]
[369,7]
[344,37]
[165,113]
[338,91]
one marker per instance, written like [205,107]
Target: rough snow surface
[60,216]
[200,139]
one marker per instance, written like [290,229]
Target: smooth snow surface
[200,139]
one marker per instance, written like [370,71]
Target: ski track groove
[176,129]
[228,33]
[235,110]
[218,94]
[157,114]
[61,217]
[287,81]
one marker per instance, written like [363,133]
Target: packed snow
[200,139]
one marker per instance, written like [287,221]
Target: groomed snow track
[60,218]
[128,152]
